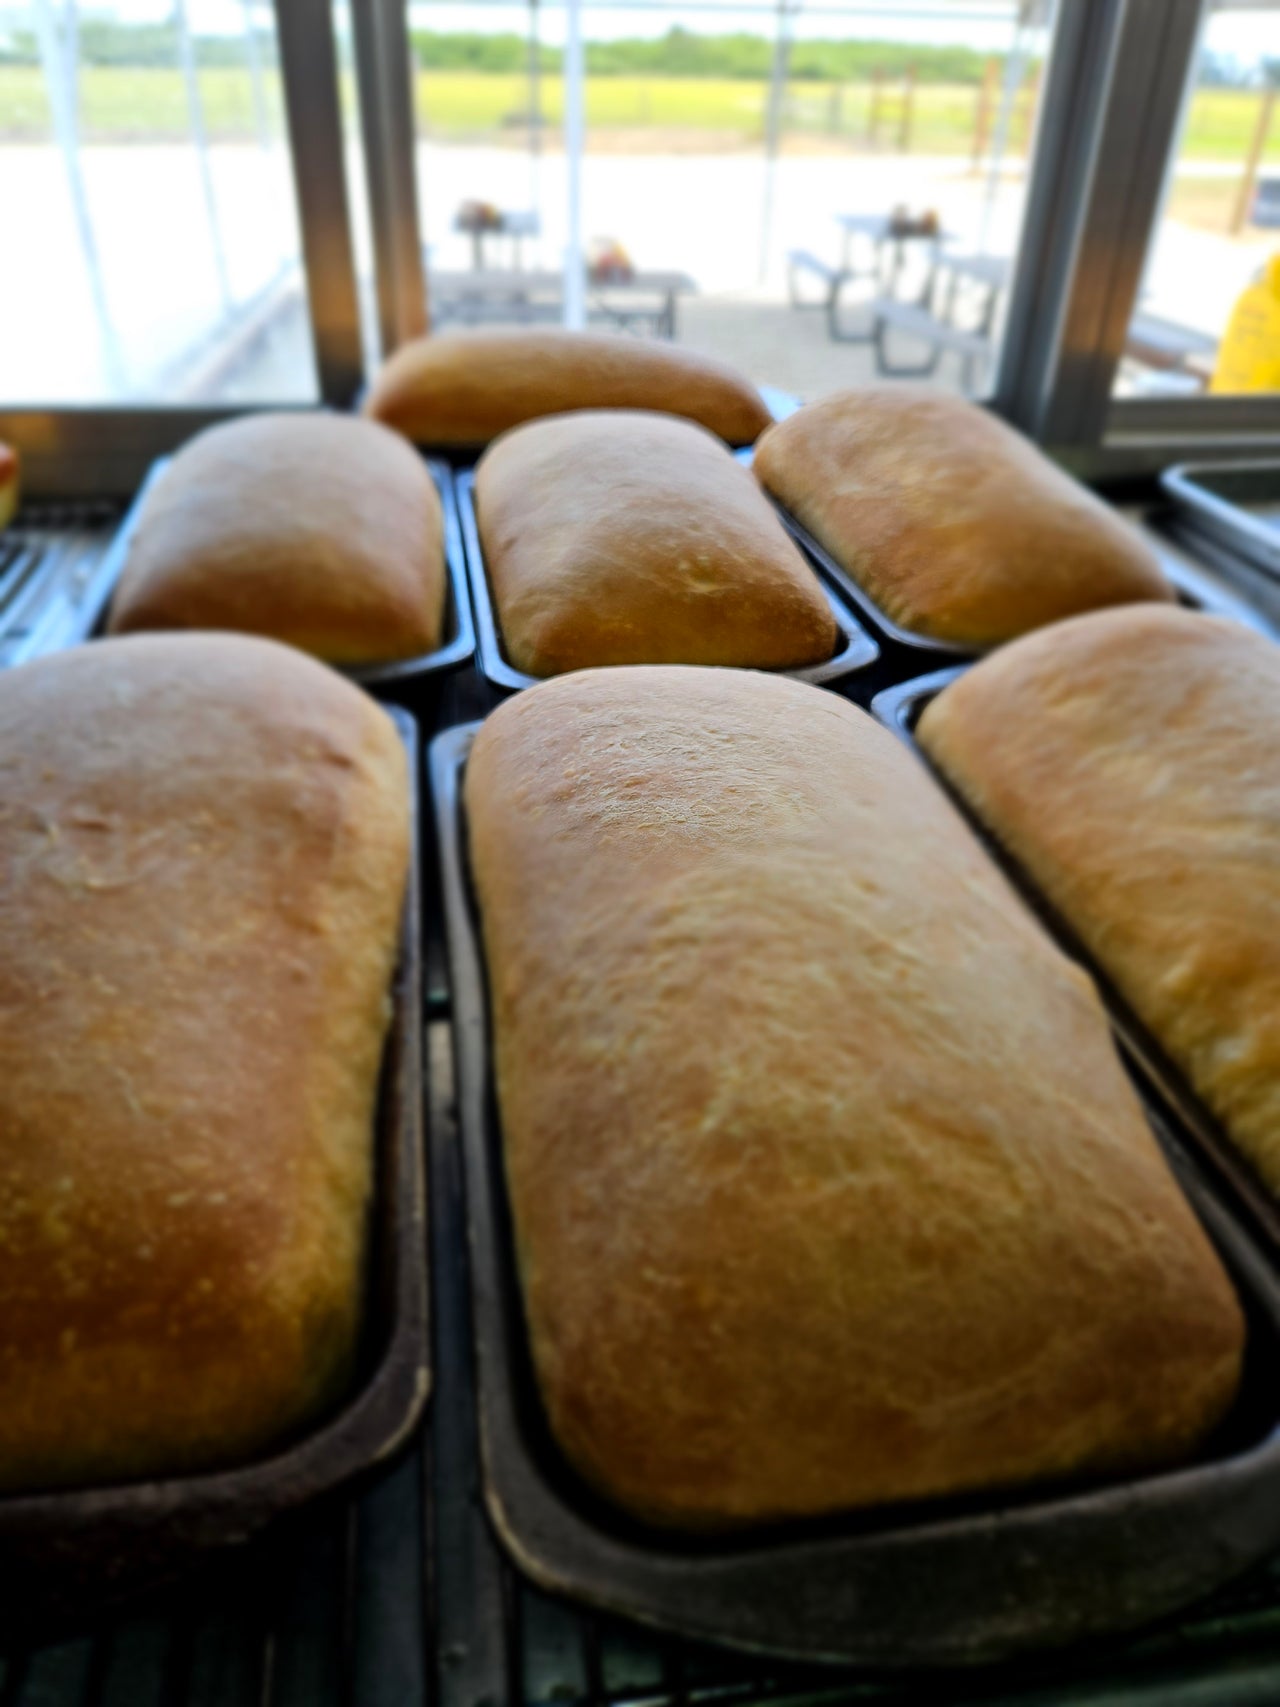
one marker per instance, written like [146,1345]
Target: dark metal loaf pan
[80,614]
[68,1556]
[1196,591]
[1235,503]
[944,1583]
[899,709]
[856,648]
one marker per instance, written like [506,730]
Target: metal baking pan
[857,652]
[1193,590]
[943,1583]
[899,709]
[78,611]
[69,1555]
[1235,503]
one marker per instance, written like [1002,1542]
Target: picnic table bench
[645,301]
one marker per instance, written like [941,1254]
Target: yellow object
[1249,355]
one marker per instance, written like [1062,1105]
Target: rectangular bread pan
[68,1556]
[1235,503]
[937,1584]
[1195,591]
[899,709]
[856,651]
[78,612]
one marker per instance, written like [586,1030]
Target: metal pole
[535,111]
[575,284]
[773,128]
[58,63]
[1014,69]
[384,73]
[195,115]
[309,72]
[908,102]
[982,119]
[257,88]
[1244,200]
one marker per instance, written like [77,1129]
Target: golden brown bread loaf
[1128,761]
[203,849]
[626,538]
[464,388]
[318,530]
[955,525]
[828,1186]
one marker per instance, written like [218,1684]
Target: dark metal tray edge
[50,636]
[940,1593]
[1217,516]
[858,653]
[124,1539]
[898,709]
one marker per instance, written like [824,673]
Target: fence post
[1244,201]
[982,117]
[873,110]
[908,105]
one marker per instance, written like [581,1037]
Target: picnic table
[885,246]
[515,224]
[646,301]
[939,320]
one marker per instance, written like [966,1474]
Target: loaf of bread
[828,1186]
[625,538]
[318,530]
[956,526]
[1128,761]
[203,852]
[464,388]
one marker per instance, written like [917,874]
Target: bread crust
[463,388]
[828,1186]
[618,537]
[318,530]
[1128,762]
[956,526]
[203,851]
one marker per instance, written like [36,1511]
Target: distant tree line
[100,42]
[685,53]
[679,53]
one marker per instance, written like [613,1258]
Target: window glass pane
[818,193]
[1208,315]
[144,158]
[491,166]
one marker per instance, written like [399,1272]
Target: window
[817,193]
[143,156]
[1219,227]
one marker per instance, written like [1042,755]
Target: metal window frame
[104,451]
[1120,76]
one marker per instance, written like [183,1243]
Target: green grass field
[121,105]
